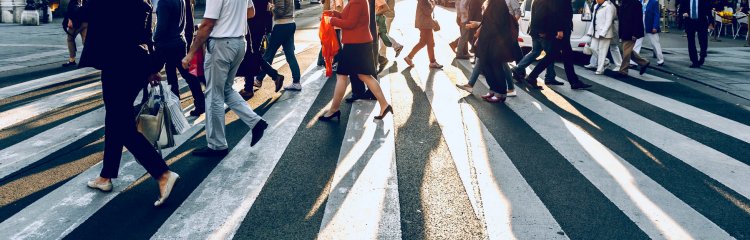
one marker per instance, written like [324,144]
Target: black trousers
[119,89]
[172,56]
[554,48]
[693,27]
[253,63]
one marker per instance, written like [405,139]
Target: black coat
[496,41]
[547,17]
[630,15]
[704,10]
[118,39]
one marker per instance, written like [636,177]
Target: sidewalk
[727,66]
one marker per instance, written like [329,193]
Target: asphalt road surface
[634,158]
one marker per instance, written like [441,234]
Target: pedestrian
[223,31]
[122,54]
[171,48]
[460,46]
[614,45]
[355,57]
[497,45]
[652,25]
[696,15]
[601,31]
[397,47]
[252,64]
[426,24]
[282,35]
[631,29]
[553,27]
[74,26]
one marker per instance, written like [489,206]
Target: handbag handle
[150,96]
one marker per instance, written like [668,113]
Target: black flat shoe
[388,109]
[197,112]
[69,64]
[208,152]
[695,65]
[336,115]
[258,131]
[644,68]
[532,84]
[553,82]
[580,86]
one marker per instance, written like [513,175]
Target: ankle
[71,59]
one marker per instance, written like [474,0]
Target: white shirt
[230,15]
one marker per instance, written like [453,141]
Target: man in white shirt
[222,30]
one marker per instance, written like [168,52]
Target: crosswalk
[627,159]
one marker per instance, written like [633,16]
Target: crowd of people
[241,37]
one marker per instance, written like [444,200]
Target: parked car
[581,18]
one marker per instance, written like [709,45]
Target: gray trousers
[223,58]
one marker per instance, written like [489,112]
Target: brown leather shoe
[247,94]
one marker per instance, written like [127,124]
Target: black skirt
[356,59]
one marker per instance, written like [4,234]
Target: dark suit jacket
[704,10]
[116,39]
[630,17]
[496,39]
[548,17]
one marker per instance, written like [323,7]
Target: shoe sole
[170,185]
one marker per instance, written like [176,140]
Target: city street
[665,155]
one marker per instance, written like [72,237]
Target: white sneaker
[294,87]
[511,94]
[171,179]
[590,67]
[104,187]
[599,72]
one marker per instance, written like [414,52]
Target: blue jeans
[536,50]
[282,35]
[477,70]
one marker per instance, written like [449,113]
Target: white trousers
[600,46]
[654,39]
[614,49]
[223,58]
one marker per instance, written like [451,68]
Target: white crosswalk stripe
[364,199]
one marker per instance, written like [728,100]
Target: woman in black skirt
[355,56]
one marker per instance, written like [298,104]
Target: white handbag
[153,121]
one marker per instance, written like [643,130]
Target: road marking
[218,205]
[724,169]
[697,115]
[510,208]
[363,199]
[10,67]
[35,56]
[654,209]
[28,86]
[46,104]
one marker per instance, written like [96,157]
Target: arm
[200,39]
[250,12]
[354,13]
[657,16]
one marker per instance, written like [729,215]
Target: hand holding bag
[151,121]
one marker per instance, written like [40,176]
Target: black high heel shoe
[388,109]
[336,115]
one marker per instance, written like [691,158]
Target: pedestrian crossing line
[21,88]
[509,207]
[27,111]
[654,209]
[697,115]
[363,201]
[35,56]
[217,206]
[10,67]
[717,165]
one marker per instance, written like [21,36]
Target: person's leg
[395,44]
[216,69]
[494,75]
[274,43]
[595,52]
[548,46]
[430,41]
[703,41]
[638,45]
[234,101]
[475,72]
[463,43]
[690,30]
[288,46]
[342,81]
[627,52]
[567,57]
[638,59]
[655,42]
[72,50]
[113,142]
[422,43]
[199,100]
[508,77]
[171,71]
[614,50]
[374,87]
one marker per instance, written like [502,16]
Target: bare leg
[374,87]
[338,93]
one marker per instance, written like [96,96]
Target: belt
[219,38]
